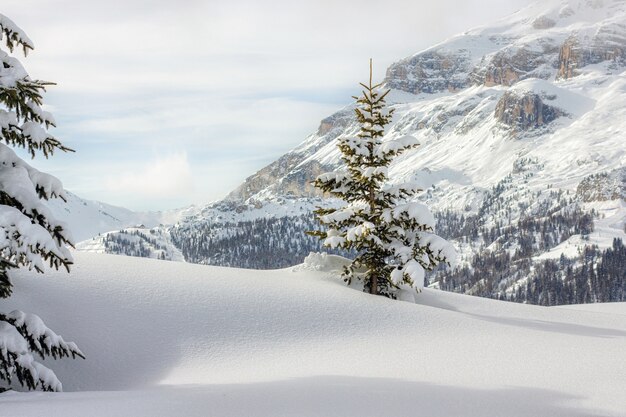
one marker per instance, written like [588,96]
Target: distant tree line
[265,243]
[134,243]
[503,266]
[594,277]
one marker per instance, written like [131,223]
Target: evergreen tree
[29,235]
[393,238]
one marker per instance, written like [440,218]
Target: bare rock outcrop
[570,58]
[430,72]
[543,22]
[509,66]
[523,112]
[603,186]
[290,174]
[609,44]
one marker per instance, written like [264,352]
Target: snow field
[170,339]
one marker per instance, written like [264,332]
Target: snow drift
[180,339]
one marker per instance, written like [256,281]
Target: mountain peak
[544,40]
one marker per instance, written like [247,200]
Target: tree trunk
[373,285]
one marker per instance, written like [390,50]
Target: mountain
[522,159]
[534,84]
[86,218]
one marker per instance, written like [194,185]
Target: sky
[171,103]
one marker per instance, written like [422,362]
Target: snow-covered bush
[29,235]
[393,237]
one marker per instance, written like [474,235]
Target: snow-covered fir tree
[29,235]
[393,237]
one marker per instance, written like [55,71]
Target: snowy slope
[172,339]
[466,147]
[142,242]
[87,218]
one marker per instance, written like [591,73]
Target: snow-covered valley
[171,339]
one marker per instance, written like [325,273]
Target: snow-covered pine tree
[29,235]
[393,237]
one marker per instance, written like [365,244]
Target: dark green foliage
[264,243]
[28,238]
[24,98]
[384,234]
[592,276]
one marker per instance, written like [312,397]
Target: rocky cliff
[524,112]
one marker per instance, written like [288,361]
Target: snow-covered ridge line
[87,219]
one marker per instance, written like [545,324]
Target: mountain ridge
[522,155]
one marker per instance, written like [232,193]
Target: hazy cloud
[163,178]
[225,81]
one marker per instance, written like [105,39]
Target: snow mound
[168,339]
[324,262]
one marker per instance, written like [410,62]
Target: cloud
[162,179]
[218,80]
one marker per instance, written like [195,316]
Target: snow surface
[86,218]
[173,339]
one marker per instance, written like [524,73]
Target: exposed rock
[285,174]
[570,58]
[430,72]
[609,44]
[603,186]
[524,112]
[298,183]
[508,67]
[336,121]
[543,22]
[285,177]
[265,177]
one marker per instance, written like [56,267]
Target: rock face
[431,72]
[507,67]
[336,121]
[291,174]
[603,186]
[570,58]
[543,22]
[608,44]
[524,112]
[285,178]
[264,177]
[297,183]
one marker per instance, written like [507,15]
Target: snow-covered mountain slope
[142,242]
[86,218]
[523,153]
[515,96]
[171,339]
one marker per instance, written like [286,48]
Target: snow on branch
[439,246]
[411,211]
[21,334]
[41,339]
[401,190]
[13,35]
[29,234]
[396,146]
